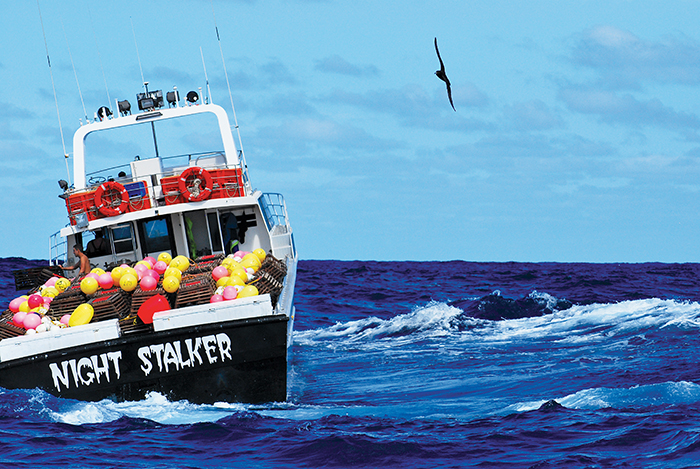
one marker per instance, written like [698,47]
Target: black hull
[234,361]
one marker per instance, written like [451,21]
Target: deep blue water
[407,364]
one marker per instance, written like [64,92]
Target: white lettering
[207,340]
[100,370]
[178,350]
[170,357]
[157,349]
[74,369]
[144,354]
[58,376]
[193,352]
[85,362]
[114,358]
[224,346]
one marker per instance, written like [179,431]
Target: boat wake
[576,323]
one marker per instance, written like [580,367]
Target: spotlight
[103,113]
[63,184]
[192,97]
[173,97]
[124,107]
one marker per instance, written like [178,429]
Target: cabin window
[213,222]
[156,236]
[123,238]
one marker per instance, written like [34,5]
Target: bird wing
[449,96]
[442,66]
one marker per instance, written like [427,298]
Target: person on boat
[98,246]
[83,262]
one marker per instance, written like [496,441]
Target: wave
[438,320]
[640,396]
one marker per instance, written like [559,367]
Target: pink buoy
[124,266]
[65,318]
[92,275]
[219,272]
[216,298]
[106,281]
[150,260]
[16,303]
[34,301]
[230,293]
[31,321]
[51,282]
[160,267]
[47,301]
[148,283]
[18,319]
[153,273]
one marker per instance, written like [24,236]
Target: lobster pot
[140,296]
[34,277]
[111,304]
[132,324]
[266,283]
[195,290]
[66,302]
[274,267]
[7,329]
[204,264]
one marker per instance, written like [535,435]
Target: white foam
[659,394]
[590,323]
[155,407]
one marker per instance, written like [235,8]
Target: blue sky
[576,136]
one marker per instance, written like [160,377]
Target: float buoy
[106,196]
[195,184]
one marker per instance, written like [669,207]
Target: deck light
[124,107]
[104,112]
[173,97]
[192,97]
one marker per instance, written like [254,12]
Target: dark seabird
[442,76]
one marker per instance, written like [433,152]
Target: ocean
[424,365]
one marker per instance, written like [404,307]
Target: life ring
[195,184]
[107,196]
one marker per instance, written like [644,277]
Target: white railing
[58,248]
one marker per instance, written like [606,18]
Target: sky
[576,135]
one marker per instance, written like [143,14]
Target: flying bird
[442,76]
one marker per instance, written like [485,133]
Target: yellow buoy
[128,282]
[62,283]
[81,315]
[89,285]
[260,253]
[222,282]
[116,274]
[165,257]
[173,272]
[234,280]
[171,284]
[248,291]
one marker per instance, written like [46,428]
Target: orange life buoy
[195,184]
[107,196]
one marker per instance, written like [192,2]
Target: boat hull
[233,361]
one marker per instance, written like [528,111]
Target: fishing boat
[200,206]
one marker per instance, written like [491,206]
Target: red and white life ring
[195,184]
[107,196]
